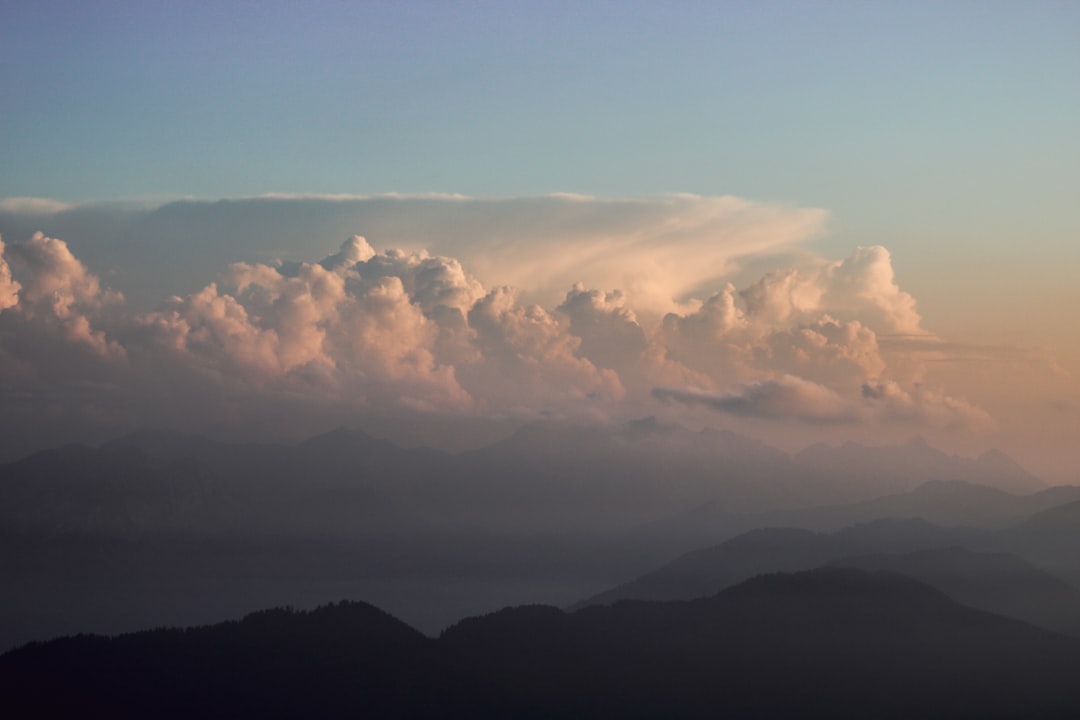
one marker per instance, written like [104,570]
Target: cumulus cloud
[861,286]
[529,355]
[377,329]
[864,285]
[924,406]
[55,277]
[9,288]
[610,333]
[56,288]
[328,323]
[828,351]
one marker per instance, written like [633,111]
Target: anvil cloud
[611,310]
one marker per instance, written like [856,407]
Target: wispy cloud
[785,398]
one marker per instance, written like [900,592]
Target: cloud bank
[644,323]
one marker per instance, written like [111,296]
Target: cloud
[611,336]
[55,278]
[33,206]
[861,286]
[9,288]
[328,323]
[529,356]
[827,351]
[864,284]
[790,398]
[924,406]
[652,249]
[784,398]
[57,288]
[378,330]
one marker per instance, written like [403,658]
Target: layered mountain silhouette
[943,502]
[902,467]
[1050,538]
[163,527]
[704,572]
[999,582]
[826,643]
[544,476]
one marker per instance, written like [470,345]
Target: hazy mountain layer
[994,580]
[160,527]
[704,572]
[543,477]
[1000,583]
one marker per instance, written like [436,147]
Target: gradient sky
[945,132]
[944,127]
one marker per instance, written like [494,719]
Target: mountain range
[543,477]
[833,642]
[166,528]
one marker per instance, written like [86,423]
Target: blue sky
[827,104]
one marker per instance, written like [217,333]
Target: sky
[806,221]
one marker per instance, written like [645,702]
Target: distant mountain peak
[997,458]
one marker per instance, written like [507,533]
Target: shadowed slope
[997,582]
[707,571]
[827,643]
[273,663]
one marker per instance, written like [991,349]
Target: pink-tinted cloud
[392,331]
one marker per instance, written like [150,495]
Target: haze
[738,311]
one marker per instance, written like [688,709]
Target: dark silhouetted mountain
[824,643]
[165,444]
[704,572]
[1000,583]
[836,643]
[330,662]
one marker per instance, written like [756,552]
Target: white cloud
[414,329]
[55,278]
[837,354]
[862,287]
[530,359]
[57,288]
[611,336]
[33,206]
[924,406]
[9,288]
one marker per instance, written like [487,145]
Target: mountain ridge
[834,642]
